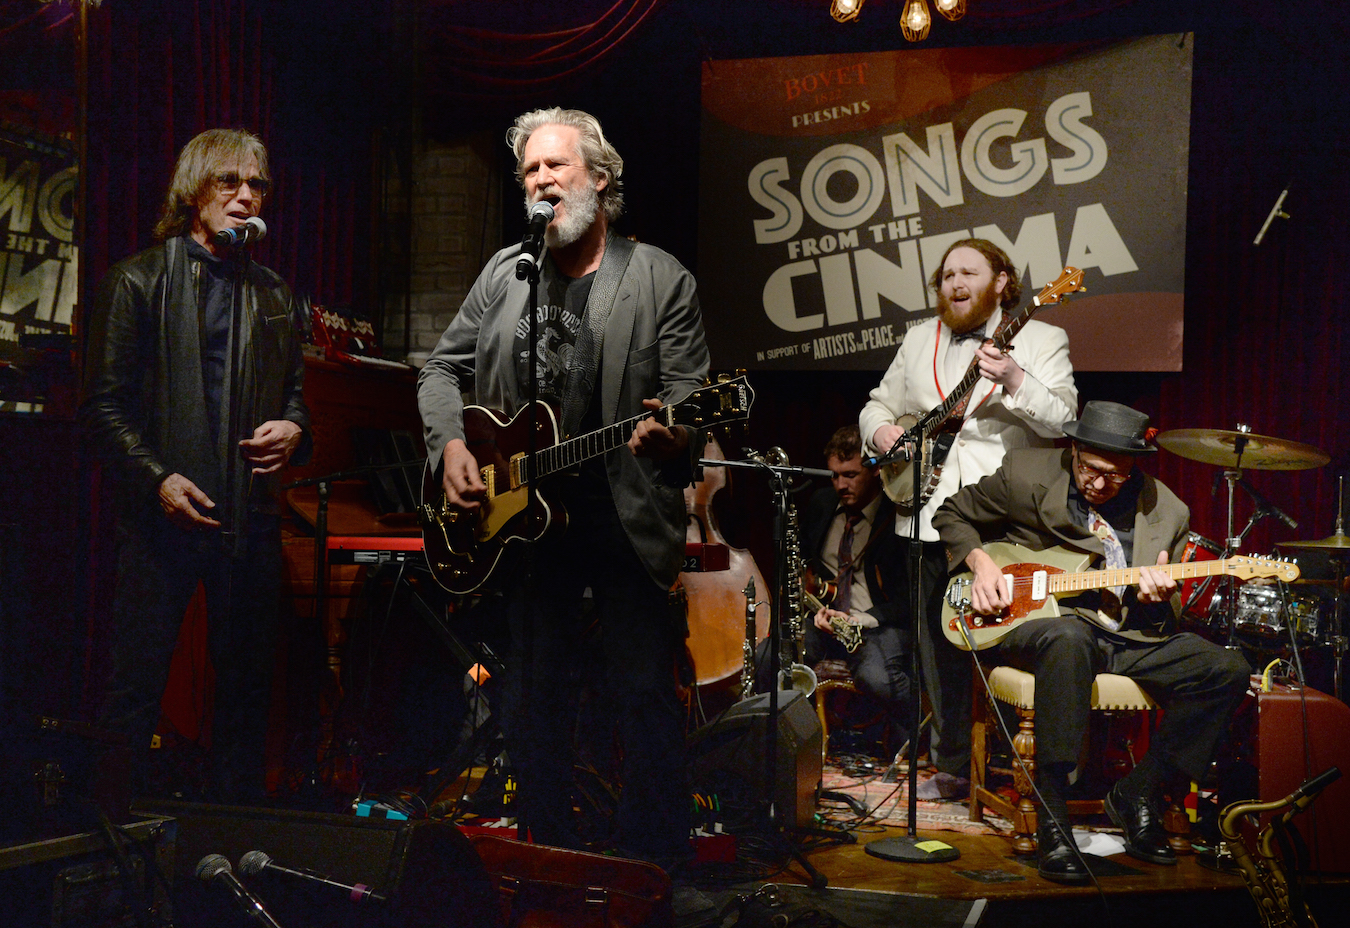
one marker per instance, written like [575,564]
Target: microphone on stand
[255,862]
[1274,211]
[253,230]
[1265,507]
[541,214]
[214,868]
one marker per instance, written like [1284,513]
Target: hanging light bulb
[845,10]
[914,21]
[951,9]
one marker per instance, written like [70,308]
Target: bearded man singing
[1024,397]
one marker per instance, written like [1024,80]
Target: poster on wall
[831,185]
[39,267]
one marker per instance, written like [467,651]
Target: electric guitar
[464,547]
[897,477]
[1034,580]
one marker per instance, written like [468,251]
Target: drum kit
[1266,616]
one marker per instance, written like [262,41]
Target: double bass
[716,599]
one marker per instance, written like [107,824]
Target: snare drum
[1261,617]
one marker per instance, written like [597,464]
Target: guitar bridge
[958,597]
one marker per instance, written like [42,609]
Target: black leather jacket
[143,402]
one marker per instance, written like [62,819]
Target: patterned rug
[870,794]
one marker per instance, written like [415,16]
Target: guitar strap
[585,366]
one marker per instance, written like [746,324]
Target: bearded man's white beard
[582,206]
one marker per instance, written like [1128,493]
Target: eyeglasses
[230,182]
[1090,474]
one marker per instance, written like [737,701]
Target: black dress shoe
[1056,859]
[1144,835]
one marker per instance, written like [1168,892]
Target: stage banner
[39,272]
[831,185]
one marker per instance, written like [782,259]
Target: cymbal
[1339,541]
[1216,446]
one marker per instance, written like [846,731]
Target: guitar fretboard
[1129,576]
[943,412]
[573,451]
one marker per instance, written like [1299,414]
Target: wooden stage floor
[1185,895]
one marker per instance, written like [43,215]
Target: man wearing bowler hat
[1092,498]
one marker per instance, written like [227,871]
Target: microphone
[1265,507]
[255,862]
[214,868]
[253,230]
[1274,211]
[541,214]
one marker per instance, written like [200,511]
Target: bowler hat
[1111,427]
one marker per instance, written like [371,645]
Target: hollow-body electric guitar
[1034,580]
[938,426]
[464,547]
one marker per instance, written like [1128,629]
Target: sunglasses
[230,182]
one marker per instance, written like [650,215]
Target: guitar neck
[573,451]
[941,413]
[1129,576]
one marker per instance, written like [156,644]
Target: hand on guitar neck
[989,587]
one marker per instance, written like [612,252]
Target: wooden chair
[1017,688]
[832,677]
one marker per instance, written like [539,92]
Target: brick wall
[456,226]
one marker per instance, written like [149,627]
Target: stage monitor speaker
[727,756]
[1279,758]
[428,871]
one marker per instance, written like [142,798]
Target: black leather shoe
[1056,859]
[1144,835]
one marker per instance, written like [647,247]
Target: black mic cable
[214,868]
[255,862]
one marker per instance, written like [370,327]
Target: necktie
[1115,557]
[843,595]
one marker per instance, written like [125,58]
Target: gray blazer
[653,346]
[1026,502]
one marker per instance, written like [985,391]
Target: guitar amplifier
[77,881]
[1293,734]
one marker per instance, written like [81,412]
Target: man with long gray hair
[192,396]
[618,333]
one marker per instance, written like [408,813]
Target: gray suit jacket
[653,346]
[1026,502]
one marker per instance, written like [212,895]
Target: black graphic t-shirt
[562,303]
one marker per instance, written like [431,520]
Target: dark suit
[880,665]
[1199,684]
[623,543]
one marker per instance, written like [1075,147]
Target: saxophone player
[848,536]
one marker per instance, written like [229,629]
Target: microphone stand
[778,474]
[532,502]
[909,848]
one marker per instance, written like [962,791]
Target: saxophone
[792,654]
[1261,866]
[748,647]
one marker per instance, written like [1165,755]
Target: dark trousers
[944,667]
[879,667]
[638,641]
[158,569]
[1197,683]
